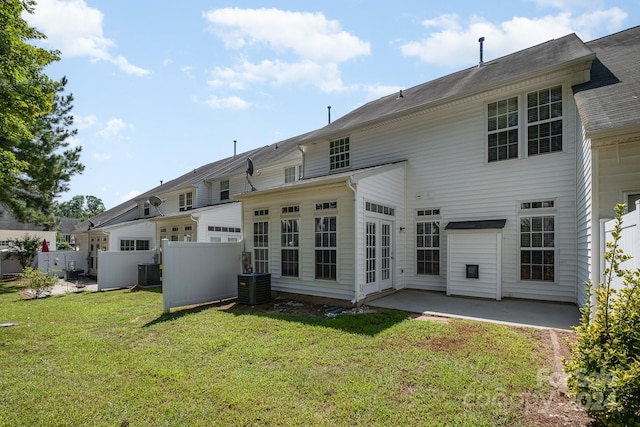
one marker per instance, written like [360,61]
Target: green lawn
[113,359]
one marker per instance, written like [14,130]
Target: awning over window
[476,225]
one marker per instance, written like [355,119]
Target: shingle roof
[537,59]
[611,100]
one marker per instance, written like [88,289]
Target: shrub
[604,370]
[24,250]
[39,282]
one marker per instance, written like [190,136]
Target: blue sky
[162,87]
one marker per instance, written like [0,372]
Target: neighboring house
[11,229]
[489,182]
[197,206]
[66,227]
[193,207]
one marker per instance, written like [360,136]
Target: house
[66,227]
[489,182]
[195,206]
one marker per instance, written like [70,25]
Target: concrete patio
[528,313]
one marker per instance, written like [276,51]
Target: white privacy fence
[195,273]
[119,269]
[61,262]
[629,241]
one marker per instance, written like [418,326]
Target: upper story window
[289,174]
[544,128]
[339,153]
[146,208]
[502,127]
[224,190]
[544,121]
[185,201]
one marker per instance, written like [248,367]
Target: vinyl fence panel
[196,273]
[119,269]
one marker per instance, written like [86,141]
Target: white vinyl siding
[482,248]
[584,217]
[619,174]
[469,188]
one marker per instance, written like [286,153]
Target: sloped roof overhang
[485,224]
[346,177]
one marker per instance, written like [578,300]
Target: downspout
[357,286]
[197,226]
[302,151]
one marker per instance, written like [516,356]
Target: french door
[378,255]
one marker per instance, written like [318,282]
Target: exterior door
[378,255]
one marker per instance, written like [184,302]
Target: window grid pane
[428,247]
[261,245]
[502,125]
[544,115]
[537,256]
[339,153]
[289,239]
[326,232]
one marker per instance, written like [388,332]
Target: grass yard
[113,359]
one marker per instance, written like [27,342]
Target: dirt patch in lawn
[556,408]
[553,409]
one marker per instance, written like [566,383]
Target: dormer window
[185,201]
[289,174]
[224,190]
[339,154]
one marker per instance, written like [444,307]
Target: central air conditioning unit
[254,289]
[148,274]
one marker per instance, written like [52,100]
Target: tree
[25,90]
[51,162]
[80,207]
[35,121]
[23,250]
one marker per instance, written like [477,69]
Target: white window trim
[539,212]
[625,198]
[429,218]
[523,149]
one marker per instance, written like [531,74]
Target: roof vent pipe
[235,144]
[481,63]
[329,112]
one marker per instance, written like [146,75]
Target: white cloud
[308,46]
[454,41]
[102,157]
[85,122]
[305,73]
[187,71]
[76,30]
[114,128]
[229,103]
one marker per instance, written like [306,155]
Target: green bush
[39,282]
[604,370]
